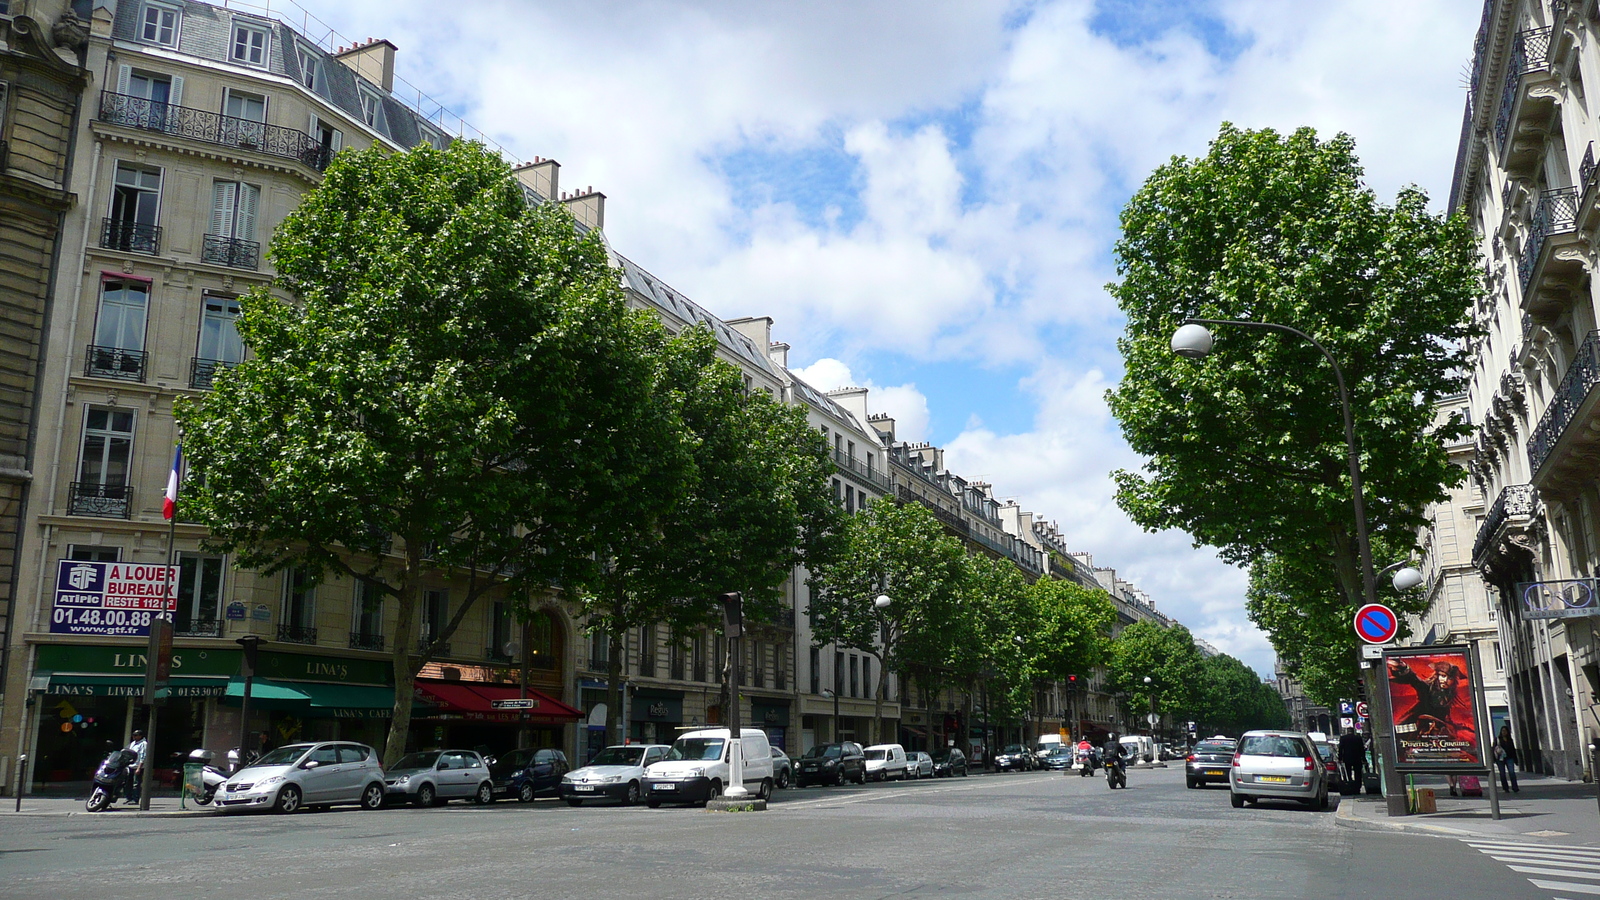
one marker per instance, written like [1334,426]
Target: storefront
[655,715]
[468,715]
[772,716]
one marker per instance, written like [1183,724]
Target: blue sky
[924,195]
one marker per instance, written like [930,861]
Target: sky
[924,195]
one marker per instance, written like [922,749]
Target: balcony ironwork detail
[1557,213]
[212,128]
[105,501]
[297,634]
[1514,500]
[496,655]
[1581,377]
[206,626]
[115,362]
[130,237]
[203,371]
[1586,170]
[1528,54]
[875,477]
[361,641]
[1527,328]
[440,648]
[231,252]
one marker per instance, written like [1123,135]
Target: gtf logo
[81,577]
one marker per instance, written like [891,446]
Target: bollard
[22,778]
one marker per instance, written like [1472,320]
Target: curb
[755,804]
[1347,818]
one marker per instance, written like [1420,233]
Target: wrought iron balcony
[105,501]
[1528,54]
[297,634]
[439,648]
[699,672]
[230,252]
[1581,377]
[204,626]
[130,237]
[1586,170]
[202,371]
[496,655]
[1514,500]
[115,362]
[675,670]
[363,641]
[647,665]
[877,478]
[212,128]
[1557,213]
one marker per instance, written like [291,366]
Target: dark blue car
[526,774]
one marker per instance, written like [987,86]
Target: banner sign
[1567,599]
[1433,693]
[111,598]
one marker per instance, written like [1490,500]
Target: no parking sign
[1376,623]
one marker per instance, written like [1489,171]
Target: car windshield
[876,754]
[823,751]
[696,748]
[1214,747]
[1326,750]
[423,760]
[282,756]
[619,756]
[1012,748]
[1271,745]
[944,755]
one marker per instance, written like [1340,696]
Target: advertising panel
[1433,693]
[112,598]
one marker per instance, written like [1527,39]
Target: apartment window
[816,670]
[675,658]
[328,137]
[435,613]
[298,622]
[1499,660]
[855,677]
[91,553]
[310,66]
[838,492]
[599,649]
[250,45]
[233,209]
[647,651]
[838,672]
[135,207]
[866,676]
[366,616]
[3,89]
[500,630]
[159,24]
[246,116]
[219,331]
[371,107]
[838,444]
[199,593]
[758,664]
[435,139]
[697,650]
[849,499]
[850,450]
[107,446]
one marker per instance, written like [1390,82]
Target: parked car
[616,773]
[782,768]
[1043,746]
[918,764]
[1271,765]
[1209,762]
[431,777]
[297,775]
[885,761]
[526,774]
[1058,757]
[949,761]
[1330,762]
[832,764]
[1013,758]
[696,767]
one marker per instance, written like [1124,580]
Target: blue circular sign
[1376,623]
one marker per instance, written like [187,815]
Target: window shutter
[124,75]
[176,98]
[338,141]
[249,200]
[311,127]
[222,198]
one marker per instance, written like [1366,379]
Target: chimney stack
[542,175]
[373,61]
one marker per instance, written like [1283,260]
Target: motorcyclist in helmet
[1112,752]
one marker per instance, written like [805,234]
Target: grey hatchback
[439,776]
[1277,765]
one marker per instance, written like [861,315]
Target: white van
[885,761]
[696,768]
[1139,748]
[1046,743]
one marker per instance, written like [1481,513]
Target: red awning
[474,701]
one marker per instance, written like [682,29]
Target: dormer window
[250,45]
[159,24]
[369,107]
[310,67]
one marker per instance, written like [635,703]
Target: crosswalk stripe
[1510,845]
[1540,858]
[1563,862]
[1592,889]
[1565,873]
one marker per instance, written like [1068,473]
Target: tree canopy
[1165,655]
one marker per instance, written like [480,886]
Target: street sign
[1153,719]
[1361,709]
[529,703]
[1376,623]
[1346,723]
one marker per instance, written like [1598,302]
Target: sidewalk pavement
[1546,809]
[160,805]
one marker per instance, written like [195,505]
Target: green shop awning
[348,701]
[67,684]
[268,694]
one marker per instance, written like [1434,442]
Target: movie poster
[1435,704]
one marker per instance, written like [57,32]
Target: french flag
[169,502]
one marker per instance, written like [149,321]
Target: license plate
[1217,772]
[663,787]
[1273,779]
[583,787]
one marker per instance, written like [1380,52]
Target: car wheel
[427,796]
[574,801]
[288,799]
[713,793]
[861,777]
[1237,800]
[1190,783]
[525,792]
[783,780]
[653,804]
[1322,800]
[485,795]
[765,793]
[631,798]
[372,797]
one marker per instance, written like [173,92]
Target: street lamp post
[1192,340]
[1151,693]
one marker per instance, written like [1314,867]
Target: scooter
[112,779]
[1116,773]
[210,777]
[1086,763]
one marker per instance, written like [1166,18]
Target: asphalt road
[1016,835]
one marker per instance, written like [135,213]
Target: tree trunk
[966,724]
[615,650]
[400,655]
[877,704]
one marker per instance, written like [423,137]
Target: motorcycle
[1086,763]
[211,777]
[1116,773]
[112,779]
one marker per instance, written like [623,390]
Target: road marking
[864,796]
[1538,859]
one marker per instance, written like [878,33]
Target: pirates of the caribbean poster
[1435,704]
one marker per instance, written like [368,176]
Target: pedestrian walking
[1353,756]
[1505,760]
[139,746]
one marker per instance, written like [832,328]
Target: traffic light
[732,613]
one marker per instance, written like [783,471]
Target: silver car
[918,764]
[431,777]
[616,773]
[1277,765]
[297,775]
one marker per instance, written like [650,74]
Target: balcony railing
[1581,377]
[1514,500]
[130,237]
[647,665]
[1528,51]
[875,477]
[1586,170]
[202,371]
[675,670]
[105,501]
[230,252]
[1557,213]
[115,362]
[204,626]
[297,634]
[363,641]
[212,128]
[441,648]
[496,655]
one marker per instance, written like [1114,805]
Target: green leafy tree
[1246,448]
[755,503]
[1165,655]
[1233,699]
[1069,631]
[456,389]
[1002,612]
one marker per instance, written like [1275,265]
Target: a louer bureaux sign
[112,598]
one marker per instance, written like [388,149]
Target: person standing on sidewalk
[139,746]
[1353,756]
[1505,760]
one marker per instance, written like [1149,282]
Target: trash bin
[194,784]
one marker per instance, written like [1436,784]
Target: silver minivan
[297,775]
[1277,765]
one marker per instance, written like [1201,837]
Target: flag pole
[169,507]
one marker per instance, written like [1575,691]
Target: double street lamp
[1193,340]
[881,602]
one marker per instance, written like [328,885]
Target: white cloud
[904,403]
